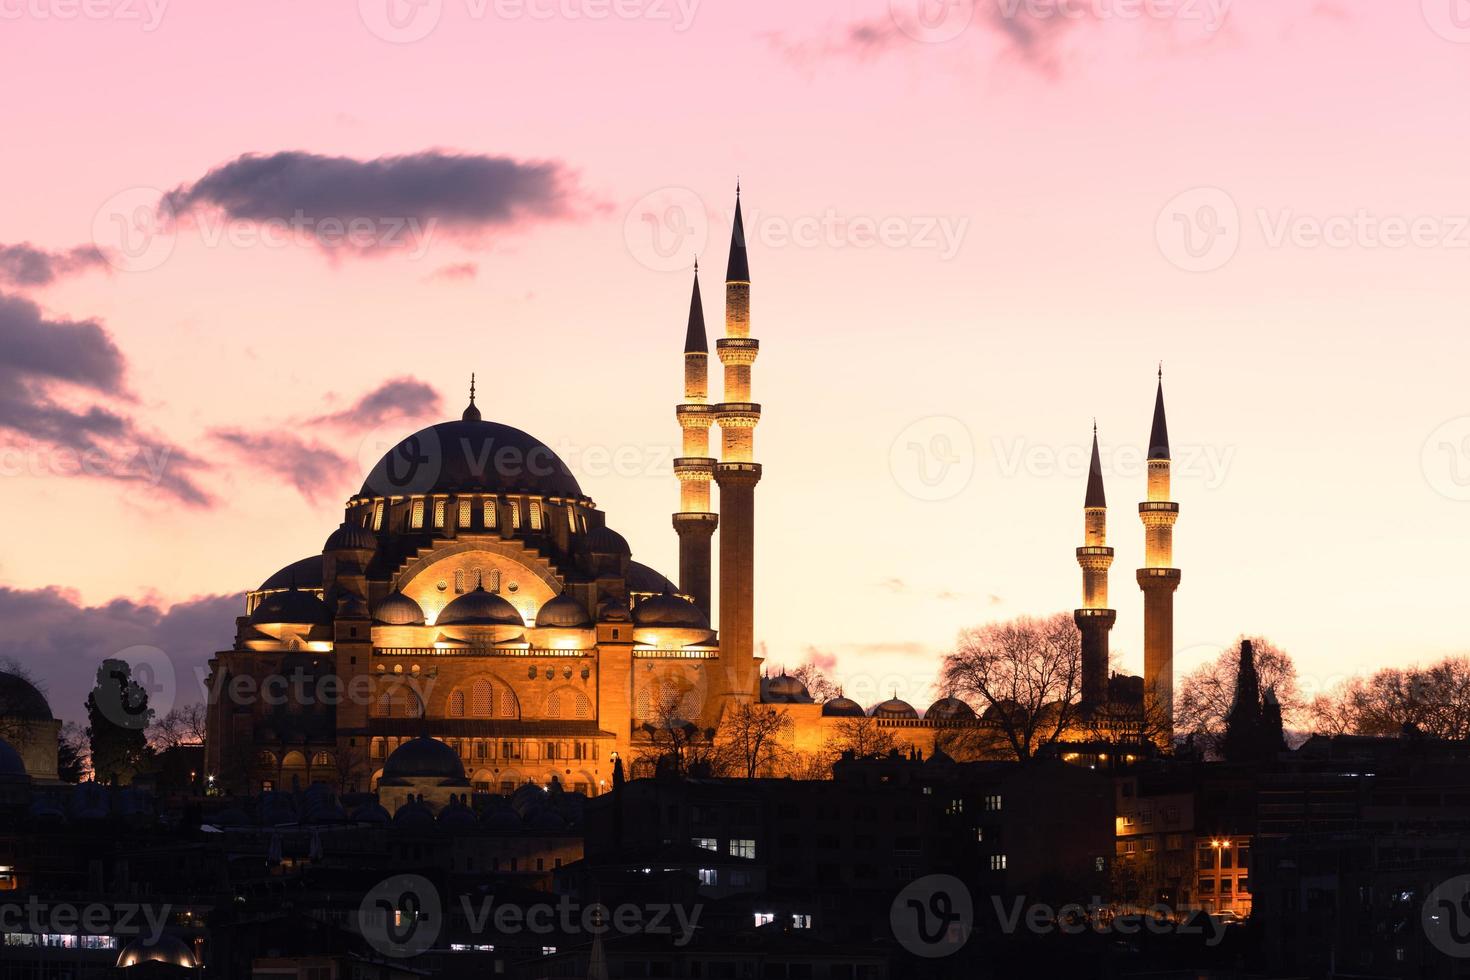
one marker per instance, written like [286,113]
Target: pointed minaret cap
[1095,495]
[694,340]
[738,269]
[1158,437]
[471,413]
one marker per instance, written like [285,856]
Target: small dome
[503,820]
[414,816]
[21,701]
[457,816]
[613,610]
[480,608]
[669,610]
[397,609]
[840,707]
[894,708]
[784,689]
[605,541]
[351,537]
[564,611]
[291,606]
[372,813]
[421,758]
[949,709]
[545,819]
[12,766]
[641,578]
[164,949]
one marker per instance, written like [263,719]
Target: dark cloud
[25,265]
[406,197]
[59,641]
[312,468]
[49,368]
[396,398]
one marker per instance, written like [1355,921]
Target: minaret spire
[1094,619]
[695,520]
[1159,578]
[471,413]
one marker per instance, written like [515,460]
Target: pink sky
[1318,389]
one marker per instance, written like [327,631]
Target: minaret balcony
[1105,617]
[1095,559]
[1158,578]
[738,415]
[737,350]
[696,415]
[698,468]
[1158,506]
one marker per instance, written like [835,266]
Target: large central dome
[472,456]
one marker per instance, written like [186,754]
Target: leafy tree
[118,716]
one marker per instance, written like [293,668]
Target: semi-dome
[471,455]
[840,707]
[423,758]
[20,700]
[894,708]
[669,611]
[291,606]
[784,689]
[163,949]
[398,609]
[605,541]
[349,537]
[641,578]
[304,573]
[480,608]
[949,709]
[563,611]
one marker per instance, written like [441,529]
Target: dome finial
[471,413]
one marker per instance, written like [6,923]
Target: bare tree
[1135,722]
[821,687]
[752,736]
[183,725]
[861,736]
[73,753]
[1433,700]
[676,746]
[1207,692]
[1026,672]
[350,763]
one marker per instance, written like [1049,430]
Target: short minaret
[737,473]
[1158,578]
[1094,619]
[695,522]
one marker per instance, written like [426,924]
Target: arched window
[456,704]
[481,703]
[439,508]
[376,750]
[491,515]
[466,508]
[535,515]
[416,515]
[321,760]
[459,581]
[505,703]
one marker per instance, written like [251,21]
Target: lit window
[458,581]
[535,515]
[992,802]
[1148,843]
[378,516]
[571,520]
[548,950]
[708,843]
[742,848]
[515,515]
[439,507]
[800,921]
[979,834]
[997,862]
[709,876]
[466,508]
[416,516]
[764,918]
[955,806]
[480,699]
[490,515]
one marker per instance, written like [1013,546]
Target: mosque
[475,624]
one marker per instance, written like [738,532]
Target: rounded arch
[373,782]
[568,701]
[670,694]
[483,696]
[322,760]
[397,698]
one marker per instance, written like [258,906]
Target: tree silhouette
[118,716]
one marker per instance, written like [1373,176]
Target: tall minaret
[737,474]
[695,522]
[1158,578]
[1095,620]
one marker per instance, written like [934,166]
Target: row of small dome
[351,536]
[785,689]
[481,607]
